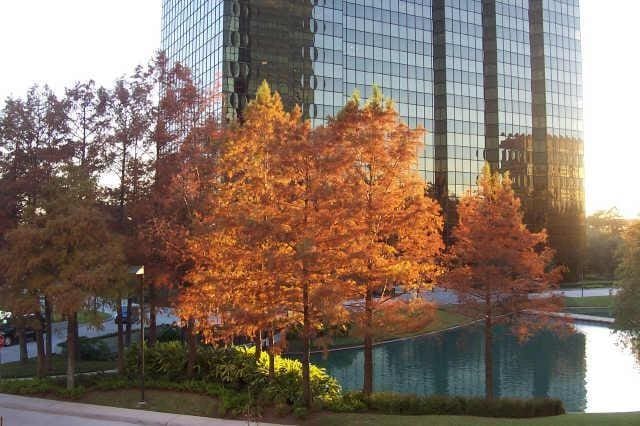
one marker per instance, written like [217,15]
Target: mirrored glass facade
[490,80]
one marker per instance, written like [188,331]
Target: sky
[63,41]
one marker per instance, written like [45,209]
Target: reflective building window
[490,80]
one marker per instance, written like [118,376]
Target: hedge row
[391,403]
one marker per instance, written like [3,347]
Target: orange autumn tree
[238,281]
[395,230]
[269,242]
[501,271]
[180,199]
[317,227]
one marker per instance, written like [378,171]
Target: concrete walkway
[23,411]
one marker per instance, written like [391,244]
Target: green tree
[67,253]
[34,146]
[604,238]
[627,302]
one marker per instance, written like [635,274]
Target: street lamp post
[139,270]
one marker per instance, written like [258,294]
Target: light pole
[139,270]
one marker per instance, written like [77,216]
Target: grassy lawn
[59,364]
[588,284]
[596,305]
[157,400]
[444,319]
[87,317]
[591,302]
[334,419]
[173,402]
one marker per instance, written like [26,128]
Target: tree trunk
[41,369]
[367,387]
[71,350]
[306,340]
[488,357]
[76,335]
[272,355]
[257,341]
[127,338]
[153,326]
[120,339]
[48,320]
[22,340]
[192,349]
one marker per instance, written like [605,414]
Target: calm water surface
[589,371]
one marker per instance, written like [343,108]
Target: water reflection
[588,370]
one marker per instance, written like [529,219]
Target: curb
[113,414]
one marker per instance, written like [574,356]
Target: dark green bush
[90,349]
[300,412]
[168,333]
[75,393]
[28,387]
[391,403]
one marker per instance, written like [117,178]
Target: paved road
[12,353]
[444,297]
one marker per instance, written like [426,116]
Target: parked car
[135,314]
[9,331]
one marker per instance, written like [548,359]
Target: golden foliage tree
[265,251]
[501,271]
[395,230]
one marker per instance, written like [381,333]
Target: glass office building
[490,80]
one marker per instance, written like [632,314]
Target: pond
[589,371]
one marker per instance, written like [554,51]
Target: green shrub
[90,349]
[168,333]
[28,387]
[75,393]
[300,412]
[286,386]
[391,403]
[235,368]
[165,360]
[233,403]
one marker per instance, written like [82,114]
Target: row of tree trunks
[120,339]
[48,321]
[22,340]
[153,331]
[306,345]
[72,328]
[192,348]
[257,341]
[41,369]
[272,355]
[367,387]
[127,337]
[43,338]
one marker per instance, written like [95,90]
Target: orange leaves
[498,264]
[299,219]
[395,230]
